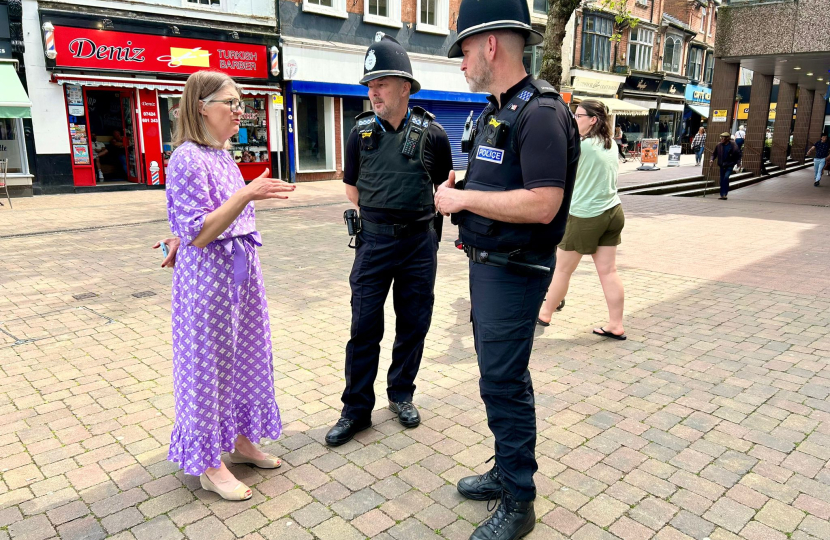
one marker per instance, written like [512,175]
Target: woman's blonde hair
[201,87]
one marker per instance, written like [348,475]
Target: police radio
[469,135]
[413,135]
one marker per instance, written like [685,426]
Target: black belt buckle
[399,230]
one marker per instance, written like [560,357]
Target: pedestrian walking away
[619,140]
[511,215]
[595,222]
[223,380]
[699,145]
[740,138]
[821,148]
[395,157]
[728,154]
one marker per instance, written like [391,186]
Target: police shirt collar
[512,91]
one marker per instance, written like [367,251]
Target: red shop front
[121,127]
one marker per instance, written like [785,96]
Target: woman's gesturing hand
[263,188]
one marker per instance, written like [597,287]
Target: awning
[148,84]
[677,107]
[14,103]
[702,110]
[617,106]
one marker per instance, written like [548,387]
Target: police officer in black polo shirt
[511,215]
[395,157]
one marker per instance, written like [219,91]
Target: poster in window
[74,95]
[78,134]
[80,153]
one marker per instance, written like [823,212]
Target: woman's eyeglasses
[234,104]
[578,115]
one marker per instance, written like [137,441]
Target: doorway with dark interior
[112,133]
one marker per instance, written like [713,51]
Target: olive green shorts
[584,235]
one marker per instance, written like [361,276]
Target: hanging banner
[84,48]
[650,150]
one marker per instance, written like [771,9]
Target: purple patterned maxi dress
[223,379]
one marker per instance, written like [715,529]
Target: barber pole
[49,40]
[154,173]
[275,61]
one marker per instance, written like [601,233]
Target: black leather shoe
[511,520]
[484,487]
[407,413]
[345,429]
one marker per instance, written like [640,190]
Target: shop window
[672,53]
[433,16]
[12,145]
[333,8]
[533,60]
[596,42]
[385,12]
[315,133]
[695,68]
[540,7]
[709,68]
[640,49]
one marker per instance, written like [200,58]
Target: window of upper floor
[708,68]
[332,8]
[220,5]
[383,12]
[433,17]
[596,42]
[533,60]
[702,20]
[540,7]
[672,53]
[694,68]
[640,48]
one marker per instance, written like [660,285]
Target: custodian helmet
[477,16]
[387,58]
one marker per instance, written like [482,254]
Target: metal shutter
[452,116]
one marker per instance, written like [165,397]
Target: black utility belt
[397,230]
[492,258]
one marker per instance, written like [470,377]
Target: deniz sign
[83,48]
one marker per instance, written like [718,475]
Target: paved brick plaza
[711,421]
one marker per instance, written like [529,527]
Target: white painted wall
[49,111]
[260,12]
[320,61]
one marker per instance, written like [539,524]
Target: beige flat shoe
[269,462]
[240,493]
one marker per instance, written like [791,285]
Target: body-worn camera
[469,135]
[495,133]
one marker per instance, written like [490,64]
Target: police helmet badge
[379,37]
[371,60]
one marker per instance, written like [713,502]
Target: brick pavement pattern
[710,422]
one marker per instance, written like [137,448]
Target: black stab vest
[388,179]
[499,169]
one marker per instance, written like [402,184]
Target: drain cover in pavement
[84,296]
[143,294]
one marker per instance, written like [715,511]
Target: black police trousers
[505,305]
[408,266]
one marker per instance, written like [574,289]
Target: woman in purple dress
[223,379]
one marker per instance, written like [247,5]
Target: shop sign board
[719,115]
[642,84]
[698,94]
[650,150]
[743,111]
[85,48]
[672,88]
[595,86]
[674,155]
[5,48]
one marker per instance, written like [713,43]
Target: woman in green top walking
[595,222]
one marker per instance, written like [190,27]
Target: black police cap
[477,16]
[387,58]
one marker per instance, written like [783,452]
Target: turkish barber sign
[121,51]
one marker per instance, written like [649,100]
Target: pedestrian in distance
[511,215]
[395,157]
[821,148]
[223,375]
[699,145]
[728,154]
[740,138]
[595,222]
[619,140]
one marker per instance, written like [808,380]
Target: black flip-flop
[540,322]
[602,332]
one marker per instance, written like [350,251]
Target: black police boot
[484,487]
[407,413]
[345,429]
[511,521]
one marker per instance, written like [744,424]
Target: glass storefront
[12,146]
[315,130]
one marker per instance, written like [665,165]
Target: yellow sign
[277,99]
[189,57]
[719,115]
[743,111]
[650,149]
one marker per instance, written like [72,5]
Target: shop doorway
[112,130]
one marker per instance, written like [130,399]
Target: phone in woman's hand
[164,249]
